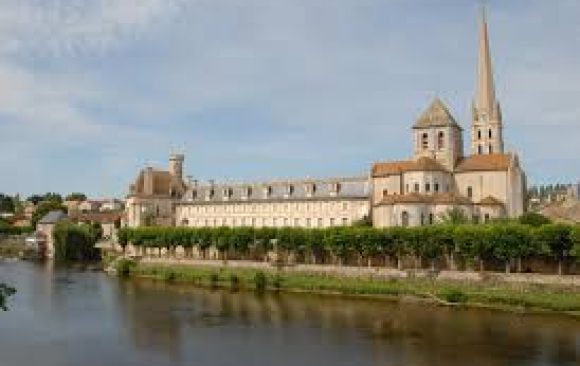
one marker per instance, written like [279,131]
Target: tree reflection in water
[183,321]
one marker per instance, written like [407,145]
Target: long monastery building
[485,183]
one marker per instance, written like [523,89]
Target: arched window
[489,133]
[479,134]
[490,149]
[440,140]
[479,150]
[469,192]
[405,218]
[425,141]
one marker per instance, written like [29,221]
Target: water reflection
[70,317]
[391,333]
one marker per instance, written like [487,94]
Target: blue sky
[93,90]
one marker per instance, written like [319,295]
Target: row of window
[430,219]
[440,140]
[285,207]
[267,222]
[427,188]
[248,192]
[479,134]
[480,149]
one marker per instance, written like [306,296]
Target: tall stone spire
[487,129]
[485,97]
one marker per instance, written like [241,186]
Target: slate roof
[52,217]
[357,188]
[436,115]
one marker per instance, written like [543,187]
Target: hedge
[501,242]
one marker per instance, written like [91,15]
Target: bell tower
[487,127]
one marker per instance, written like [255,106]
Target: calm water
[65,317]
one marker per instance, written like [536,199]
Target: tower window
[425,141]
[440,140]
[489,133]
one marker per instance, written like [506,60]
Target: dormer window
[268,191]
[290,190]
[249,192]
[335,189]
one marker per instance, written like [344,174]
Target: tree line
[472,245]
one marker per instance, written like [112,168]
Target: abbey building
[485,182]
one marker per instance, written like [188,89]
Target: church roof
[398,167]
[445,198]
[485,162]
[436,115]
[162,183]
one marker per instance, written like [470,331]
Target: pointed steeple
[487,128]
[485,95]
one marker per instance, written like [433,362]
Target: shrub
[260,281]
[214,279]
[124,267]
[277,282]
[534,219]
[169,276]
[453,296]
[234,281]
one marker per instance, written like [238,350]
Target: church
[484,183]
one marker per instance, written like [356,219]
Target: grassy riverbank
[497,295]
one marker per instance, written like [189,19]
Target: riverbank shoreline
[514,297]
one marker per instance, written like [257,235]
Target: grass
[497,295]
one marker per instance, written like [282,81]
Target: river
[62,317]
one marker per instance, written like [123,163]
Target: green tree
[534,219]
[74,242]
[6,203]
[575,236]
[556,239]
[45,207]
[454,216]
[76,196]
[5,292]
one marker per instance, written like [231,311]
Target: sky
[91,91]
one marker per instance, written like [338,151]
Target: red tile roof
[487,162]
[398,167]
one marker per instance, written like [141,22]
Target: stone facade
[486,184]
[305,203]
